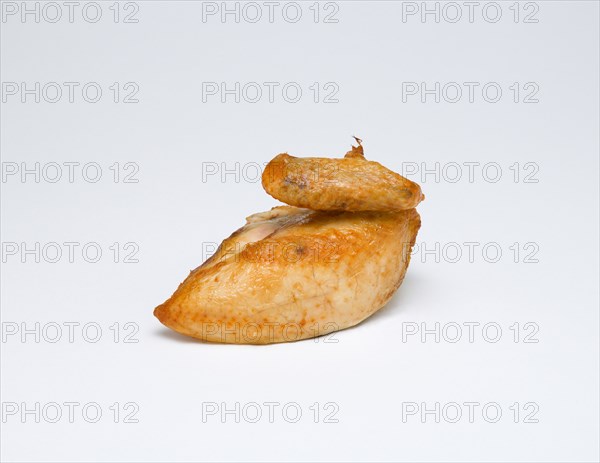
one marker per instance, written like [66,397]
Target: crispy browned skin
[350,184]
[292,274]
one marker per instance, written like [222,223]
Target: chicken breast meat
[292,274]
[298,272]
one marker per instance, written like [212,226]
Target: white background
[171,213]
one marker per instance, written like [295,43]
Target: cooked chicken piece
[350,184]
[294,273]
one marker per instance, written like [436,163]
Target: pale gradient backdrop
[171,215]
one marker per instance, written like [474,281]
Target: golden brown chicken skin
[293,273]
[350,184]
